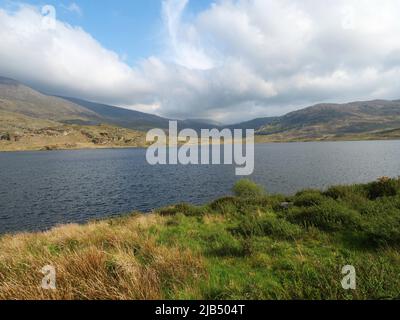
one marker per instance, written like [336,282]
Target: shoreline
[43,149]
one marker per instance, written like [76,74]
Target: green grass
[245,246]
[256,249]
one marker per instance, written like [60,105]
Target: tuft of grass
[112,261]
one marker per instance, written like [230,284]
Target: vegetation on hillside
[351,121]
[20,133]
[250,245]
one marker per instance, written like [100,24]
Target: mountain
[24,112]
[18,98]
[362,119]
[30,120]
[138,120]
[122,117]
[206,122]
[198,124]
[253,124]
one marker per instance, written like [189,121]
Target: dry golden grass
[116,259]
[26,133]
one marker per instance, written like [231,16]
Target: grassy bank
[248,246]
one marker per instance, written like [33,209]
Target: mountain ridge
[21,105]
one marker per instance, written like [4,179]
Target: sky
[225,60]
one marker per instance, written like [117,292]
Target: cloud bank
[235,60]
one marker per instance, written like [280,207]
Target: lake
[41,189]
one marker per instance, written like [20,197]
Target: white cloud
[182,39]
[64,59]
[233,61]
[73,7]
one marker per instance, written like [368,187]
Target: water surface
[41,189]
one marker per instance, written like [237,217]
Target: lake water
[41,189]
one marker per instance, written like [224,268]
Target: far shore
[259,139]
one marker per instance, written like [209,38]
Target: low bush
[308,198]
[280,228]
[328,216]
[384,187]
[246,188]
[383,229]
[342,192]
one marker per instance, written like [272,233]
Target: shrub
[280,228]
[384,187]
[275,201]
[328,216]
[341,192]
[308,198]
[383,229]
[356,201]
[246,189]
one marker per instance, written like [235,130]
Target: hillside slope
[18,98]
[19,133]
[363,120]
[122,117]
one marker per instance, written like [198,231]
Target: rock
[286,205]
[87,134]
[50,148]
[5,137]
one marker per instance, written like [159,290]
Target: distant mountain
[330,121]
[138,120]
[22,106]
[30,120]
[206,122]
[122,117]
[18,98]
[253,124]
[198,124]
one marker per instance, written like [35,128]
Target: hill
[19,133]
[30,120]
[138,120]
[18,98]
[122,117]
[23,110]
[254,124]
[363,120]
